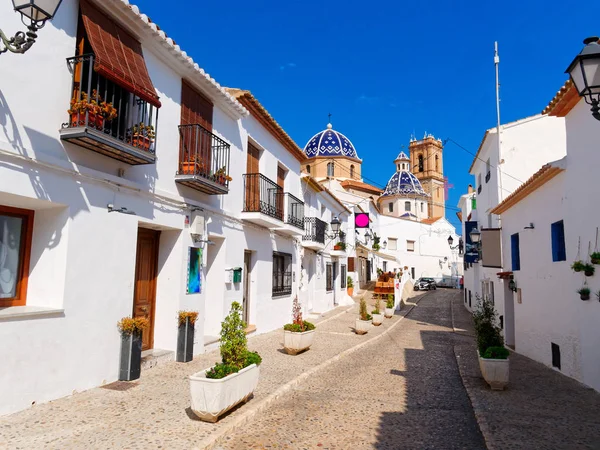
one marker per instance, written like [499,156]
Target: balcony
[107,119]
[314,233]
[293,216]
[263,201]
[339,245]
[203,160]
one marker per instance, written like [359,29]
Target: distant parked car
[425,284]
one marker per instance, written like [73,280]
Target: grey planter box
[131,357]
[185,342]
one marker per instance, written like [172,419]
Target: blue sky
[385,69]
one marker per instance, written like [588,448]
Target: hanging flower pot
[589,270]
[578,266]
[584,293]
[595,258]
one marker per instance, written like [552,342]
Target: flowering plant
[185,315]
[130,325]
[221,173]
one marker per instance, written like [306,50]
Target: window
[559,253]
[487,290]
[330,170]
[399,167]
[307,168]
[329,278]
[406,206]
[465,296]
[514,250]
[422,207]
[437,163]
[344,276]
[385,266]
[487,170]
[479,187]
[470,298]
[282,274]
[412,272]
[352,171]
[420,163]
[555,355]
[16,227]
[392,244]
[410,247]
[391,206]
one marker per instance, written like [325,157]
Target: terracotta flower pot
[350,291]
[190,168]
[141,142]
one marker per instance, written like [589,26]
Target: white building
[103,218]
[498,170]
[547,224]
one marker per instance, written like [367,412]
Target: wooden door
[246,298]
[196,142]
[144,296]
[252,179]
[279,198]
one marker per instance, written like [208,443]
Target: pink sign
[361,220]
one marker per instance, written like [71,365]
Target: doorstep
[250,329]
[211,343]
[155,357]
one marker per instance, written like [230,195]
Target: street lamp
[458,246]
[36,12]
[475,236]
[335,226]
[384,245]
[585,74]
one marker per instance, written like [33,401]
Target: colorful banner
[194,272]
[471,250]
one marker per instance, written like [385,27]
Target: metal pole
[497,64]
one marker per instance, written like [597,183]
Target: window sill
[29,312]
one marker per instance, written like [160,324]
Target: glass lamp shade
[37,10]
[584,70]
[475,236]
[335,225]
[512,285]
[450,241]
[384,245]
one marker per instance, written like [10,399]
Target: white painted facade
[550,310]
[525,146]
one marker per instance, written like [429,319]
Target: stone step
[155,357]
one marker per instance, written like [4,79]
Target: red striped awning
[117,55]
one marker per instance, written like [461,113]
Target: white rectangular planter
[212,398]
[295,343]
[389,312]
[362,326]
[377,319]
[495,372]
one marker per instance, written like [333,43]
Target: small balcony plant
[185,336]
[340,246]
[350,286]
[221,176]
[584,293]
[376,313]
[216,390]
[363,322]
[97,109]
[142,136]
[131,329]
[389,306]
[578,266]
[298,335]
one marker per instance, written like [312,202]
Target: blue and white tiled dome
[329,143]
[404,183]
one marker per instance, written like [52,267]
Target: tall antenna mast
[497,64]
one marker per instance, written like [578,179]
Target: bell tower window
[420,163]
[307,169]
[330,171]
[352,171]
[437,163]
[407,206]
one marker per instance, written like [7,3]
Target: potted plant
[131,329]
[589,270]
[377,316]
[340,246]
[216,390]
[142,136]
[493,363]
[363,322]
[595,257]
[389,306]
[584,293]
[578,266]
[221,176]
[350,286]
[185,336]
[298,335]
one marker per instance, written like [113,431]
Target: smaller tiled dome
[402,157]
[404,183]
[329,143]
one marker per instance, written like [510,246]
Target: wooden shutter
[351,264]
[196,141]
[195,108]
[279,194]
[252,180]
[117,55]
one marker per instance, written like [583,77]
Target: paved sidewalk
[540,408]
[155,412]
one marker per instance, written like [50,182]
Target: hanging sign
[361,220]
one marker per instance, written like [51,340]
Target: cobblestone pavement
[402,391]
[540,408]
[155,412]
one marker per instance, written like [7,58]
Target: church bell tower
[427,165]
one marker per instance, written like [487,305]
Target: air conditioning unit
[197,226]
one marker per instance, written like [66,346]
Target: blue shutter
[514,250]
[559,252]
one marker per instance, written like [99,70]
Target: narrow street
[402,391]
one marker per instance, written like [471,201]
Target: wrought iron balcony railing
[203,160]
[107,118]
[263,195]
[295,211]
[314,230]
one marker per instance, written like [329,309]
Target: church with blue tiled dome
[404,195]
[332,155]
